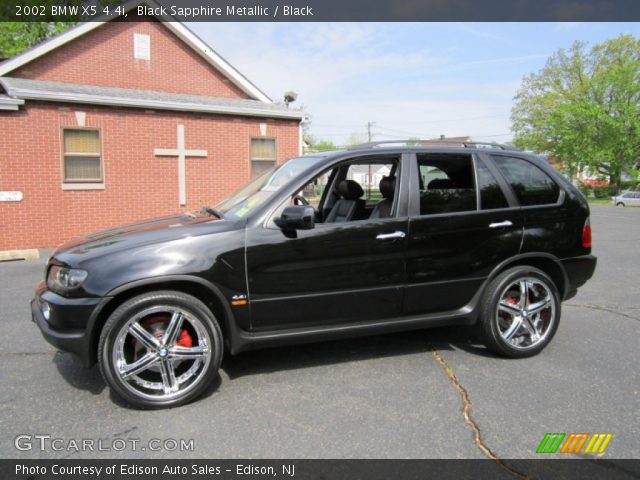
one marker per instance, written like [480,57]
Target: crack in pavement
[466,414]
[604,308]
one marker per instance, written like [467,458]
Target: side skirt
[255,340]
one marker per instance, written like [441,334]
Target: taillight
[586,234]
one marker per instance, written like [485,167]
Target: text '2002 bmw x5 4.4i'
[374,239]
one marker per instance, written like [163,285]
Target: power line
[456,119]
[416,122]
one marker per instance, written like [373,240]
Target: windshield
[248,198]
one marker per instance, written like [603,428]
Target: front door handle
[391,236]
[506,223]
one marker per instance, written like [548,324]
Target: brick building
[116,121]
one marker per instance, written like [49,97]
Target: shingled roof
[20,89]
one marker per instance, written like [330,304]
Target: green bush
[629,185]
[605,191]
[586,191]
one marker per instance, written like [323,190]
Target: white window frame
[75,184]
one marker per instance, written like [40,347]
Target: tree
[356,138]
[16,37]
[583,107]
[323,146]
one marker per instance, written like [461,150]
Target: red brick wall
[105,57]
[137,183]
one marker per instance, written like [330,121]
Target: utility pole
[369,180]
[369,125]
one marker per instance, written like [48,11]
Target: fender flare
[229,319]
[531,255]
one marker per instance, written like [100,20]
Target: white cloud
[345,78]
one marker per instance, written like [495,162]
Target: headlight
[64,280]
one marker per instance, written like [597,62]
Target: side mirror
[298,217]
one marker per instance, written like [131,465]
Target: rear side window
[491,195]
[446,184]
[531,185]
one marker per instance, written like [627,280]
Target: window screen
[263,155]
[82,156]
[141,46]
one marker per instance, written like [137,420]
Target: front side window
[81,155]
[446,184]
[354,190]
[530,184]
[263,156]
[368,176]
[256,193]
[312,192]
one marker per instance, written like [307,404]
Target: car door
[463,222]
[552,220]
[334,273]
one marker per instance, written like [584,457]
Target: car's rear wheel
[160,349]
[520,312]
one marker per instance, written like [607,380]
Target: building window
[82,156]
[141,46]
[263,155]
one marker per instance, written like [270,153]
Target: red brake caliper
[510,301]
[184,340]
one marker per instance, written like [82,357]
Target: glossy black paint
[334,273]
[329,281]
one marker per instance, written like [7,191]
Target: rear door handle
[391,236]
[506,223]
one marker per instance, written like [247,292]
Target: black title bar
[317,469]
[324,10]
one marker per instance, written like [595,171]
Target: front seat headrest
[387,187]
[350,190]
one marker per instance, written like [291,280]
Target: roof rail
[436,143]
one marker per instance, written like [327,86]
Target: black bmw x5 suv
[374,239]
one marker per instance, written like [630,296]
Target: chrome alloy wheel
[526,313]
[161,353]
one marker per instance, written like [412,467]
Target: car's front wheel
[520,312]
[160,349]
[620,204]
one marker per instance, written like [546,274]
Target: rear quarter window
[531,185]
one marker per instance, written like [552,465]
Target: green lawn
[600,201]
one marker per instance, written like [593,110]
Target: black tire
[196,316]
[489,318]
[620,204]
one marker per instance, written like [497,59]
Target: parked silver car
[627,199]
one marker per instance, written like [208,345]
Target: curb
[11,255]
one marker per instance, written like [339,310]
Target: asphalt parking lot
[376,397]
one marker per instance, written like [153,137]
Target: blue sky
[411,79]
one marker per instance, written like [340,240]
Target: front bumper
[70,321]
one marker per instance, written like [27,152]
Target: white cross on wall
[182,155]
